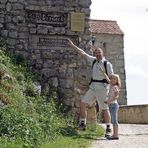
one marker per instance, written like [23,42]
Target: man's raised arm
[77,49]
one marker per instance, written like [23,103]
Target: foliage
[28,119]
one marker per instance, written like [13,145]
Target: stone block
[66,83]
[20,19]
[19,46]
[10,26]
[83,75]
[46,65]
[8,19]
[86,11]
[2,6]
[12,0]
[59,3]
[17,6]
[1,19]
[84,3]
[22,35]
[55,82]
[11,42]
[9,7]
[49,72]
[3,1]
[69,73]
[4,33]
[1,25]
[24,29]
[13,34]
[22,1]
[69,83]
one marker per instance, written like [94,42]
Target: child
[113,95]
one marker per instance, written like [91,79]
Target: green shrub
[15,124]
[27,118]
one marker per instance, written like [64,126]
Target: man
[98,88]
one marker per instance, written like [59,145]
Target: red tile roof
[105,27]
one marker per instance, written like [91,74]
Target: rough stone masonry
[38,29]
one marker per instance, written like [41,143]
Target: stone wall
[133,114]
[38,30]
[113,45]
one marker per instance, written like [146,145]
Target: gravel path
[130,136]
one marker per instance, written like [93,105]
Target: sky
[132,17]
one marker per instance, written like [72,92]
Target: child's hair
[118,83]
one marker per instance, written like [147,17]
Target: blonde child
[113,96]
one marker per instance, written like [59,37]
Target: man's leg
[86,101]
[83,112]
[107,119]
[83,115]
[102,95]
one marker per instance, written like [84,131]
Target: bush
[27,118]
[16,124]
[34,127]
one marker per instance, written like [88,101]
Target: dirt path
[131,136]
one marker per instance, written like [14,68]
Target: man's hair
[97,48]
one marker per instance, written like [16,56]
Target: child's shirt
[113,89]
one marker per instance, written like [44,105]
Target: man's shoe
[108,132]
[82,126]
[113,138]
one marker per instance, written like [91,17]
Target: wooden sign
[50,42]
[77,21]
[55,19]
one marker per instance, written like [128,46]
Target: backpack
[105,65]
[101,81]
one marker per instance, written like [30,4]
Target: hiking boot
[112,138]
[108,132]
[82,126]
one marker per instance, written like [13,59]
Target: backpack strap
[105,66]
[93,63]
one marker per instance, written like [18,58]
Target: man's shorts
[96,95]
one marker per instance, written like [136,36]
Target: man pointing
[98,88]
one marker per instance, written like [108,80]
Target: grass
[82,139]
[68,142]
